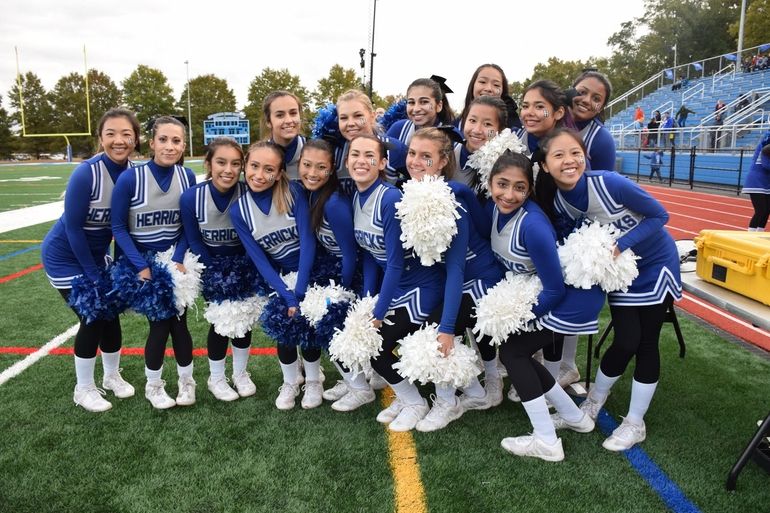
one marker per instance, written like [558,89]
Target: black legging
[217,344]
[391,333]
[761,204]
[466,319]
[288,354]
[637,332]
[527,375]
[104,335]
[155,348]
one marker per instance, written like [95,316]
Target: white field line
[20,366]
[30,216]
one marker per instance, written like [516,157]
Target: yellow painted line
[20,241]
[402,453]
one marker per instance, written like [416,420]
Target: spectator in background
[681,115]
[743,102]
[653,127]
[667,129]
[656,162]
[719,112]
[638,118]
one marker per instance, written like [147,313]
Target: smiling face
[168,144]
[538,115]
[364,162]
[118,139]
[284,120]
[225,168]
[424,158]
[565,161]
[481,125]
[263,167]
[354,119]
[509,189]
[421,107]
[315,167]
[593,96]
[489,82]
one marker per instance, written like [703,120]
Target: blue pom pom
[229,277]
[326,268]
[334,318]
[153,298]
[287,331]
[95,300]
[327,126]
[395,112]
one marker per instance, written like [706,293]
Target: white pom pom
[358,341]
[587,259]
[507,307]
[421,360]
[485,157]
[428,214]
[318,298]
[233,319]
[290,279]
[187,285]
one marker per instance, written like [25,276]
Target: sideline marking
[19,252]
[402,454]
[21,273]
[19,367]
[21,241]
[132,351]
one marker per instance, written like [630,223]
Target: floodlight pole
[189,115]
[371,53]
[738,57]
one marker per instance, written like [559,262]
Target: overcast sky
[236,39]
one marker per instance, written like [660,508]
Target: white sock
[290,372]
[111,362]
[564,404]
[474,389]
[641,397]
[759,229]
[490,369]
[184,372]
[407,392]
[570,351]
[240,360]
[84,371]
[552,367]
[542,425]
[312,370]
[153,375]
[217,368]
[446,394]
[602,385]
[354,380]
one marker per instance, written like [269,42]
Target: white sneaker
[155,392]
[90,398]
[567,376]
[530,445]
[353,400]
[287,394]
[513,395]
[409,416]
[336,392]
[244,385]
[377,382]
[585,425]
[186,394]
[494,389]
[625,436]
[591,406]
[440,415]
[475,403]
[119,386]
[221,390]
[390,413]
[313,396]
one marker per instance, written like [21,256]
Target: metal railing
[700,87]
[705,138]
[726,73]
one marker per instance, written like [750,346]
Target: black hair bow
[441,81]
[452,132]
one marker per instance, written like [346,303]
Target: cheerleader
[272,222]
[543,109]
[757,185]
[638,313]
[210,234]
[146,219]
[426,106]
[355,116]
[76,248]
[470,268]
[409,291]
[331,216]
[281,123]
[524,240]
[483,120]
[490,80]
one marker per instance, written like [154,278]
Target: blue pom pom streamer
[327,126]
[152,298]
[395,112]
[230,277]
[95,300]
[287,331]
[334,318]
[326,268]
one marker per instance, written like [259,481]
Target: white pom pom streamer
[358,341]
[318,298]
[485,157]
[428,214]
[233,319]
[507,307]
[587,259]
[290,279]
[187,285]
[421,360]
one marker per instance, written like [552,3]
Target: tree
[6,137]
[756,29]
[337,82]
[37,115]
[209,94]
[68,99]
[146,91]
[267,81]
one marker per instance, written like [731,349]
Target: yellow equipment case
[736,260]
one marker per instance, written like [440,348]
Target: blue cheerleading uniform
[337,236]
[396,166]
[758,177]
[600,146]
[403,130]
[464,173]
[291,157]
[145,211]
[609,198]
[79,241]
[277,242]
[406,283]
